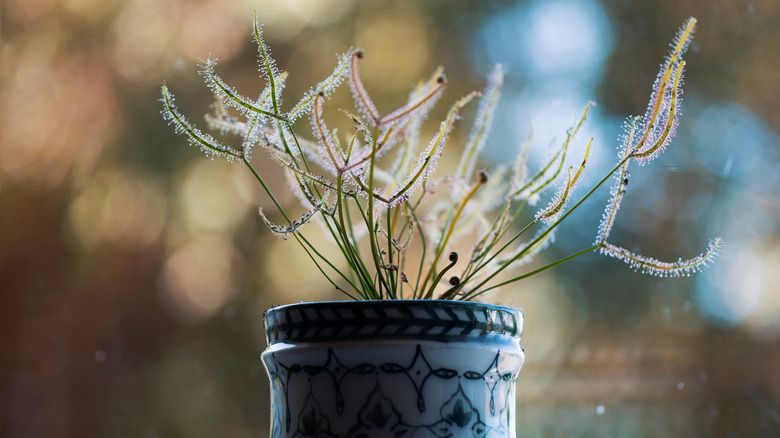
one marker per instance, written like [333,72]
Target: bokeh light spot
[730,294]
[210,28]
[288,274]
[545,40]
[212,196]
[566,36]
[287,18]
[198,278]
[141,40]
[397,52]
[91,10]
[56,112]
[118,207]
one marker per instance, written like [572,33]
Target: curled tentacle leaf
[618,191]
[660,93]
[230,96]
[453,259]
[537,183]
[421,104]
[558,204]
[284,231]
[663,98]
[411,132]
[363,101]
[324,88]
[649,265]
[428,158]
[555,208]
[482,122]
[267,66]
[207,143]
[665,136]
[327,144]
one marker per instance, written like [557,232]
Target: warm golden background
[134,271]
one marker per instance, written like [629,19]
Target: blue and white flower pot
[400,369]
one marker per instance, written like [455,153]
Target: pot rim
[437,320]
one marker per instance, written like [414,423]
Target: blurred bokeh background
[134,271]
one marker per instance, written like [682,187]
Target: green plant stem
[532,273]
[495,254]
[552,227]
[351,252]
[500,227]
[371,287]
[424,250]
[370,220]
[391,227]
[281,125]
[443,244]
[305,244]
[392,267]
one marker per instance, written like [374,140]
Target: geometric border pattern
[320,412]
[433,320]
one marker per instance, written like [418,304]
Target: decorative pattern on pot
[400,369]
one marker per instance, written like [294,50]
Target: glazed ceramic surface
[401,369]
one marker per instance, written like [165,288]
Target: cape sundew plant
[375,193]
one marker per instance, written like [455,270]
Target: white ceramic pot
[400,369]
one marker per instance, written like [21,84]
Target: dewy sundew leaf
[343,183]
